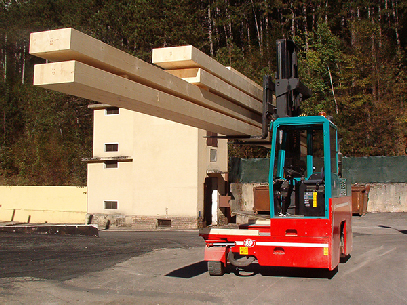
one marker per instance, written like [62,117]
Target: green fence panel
[254,170]
[354,169]
[375,169]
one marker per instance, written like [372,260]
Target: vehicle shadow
[201,267]
[255,269]
[190,271]
[387,227]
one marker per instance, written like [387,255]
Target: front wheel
[216,268]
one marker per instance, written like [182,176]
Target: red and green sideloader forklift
[310,205]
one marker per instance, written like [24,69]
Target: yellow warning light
[322,113]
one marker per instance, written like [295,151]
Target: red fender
[216,254]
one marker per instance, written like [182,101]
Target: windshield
[299,151]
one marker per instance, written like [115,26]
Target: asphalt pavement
[167,267]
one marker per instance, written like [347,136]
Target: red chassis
[286,242]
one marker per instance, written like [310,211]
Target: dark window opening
[111,147]
[211,141]
[112,110]
[110,205]
[166,223]
[111,164]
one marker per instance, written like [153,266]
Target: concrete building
[148,172]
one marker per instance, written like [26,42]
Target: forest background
[352,55]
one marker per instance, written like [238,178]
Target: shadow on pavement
[345,258]
[199,268]
[190,271]
[387,227]
[254,269]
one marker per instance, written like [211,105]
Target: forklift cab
[303,167]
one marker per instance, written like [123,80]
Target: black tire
[216,268]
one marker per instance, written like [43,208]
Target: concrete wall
[165,167]
[108,132]
[383,197]
[243,196]
[40,204]
[387,197]
[103,184]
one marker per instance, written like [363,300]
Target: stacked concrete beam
[185,57]
[89,68]
[205,80]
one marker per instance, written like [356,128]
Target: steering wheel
[290,172]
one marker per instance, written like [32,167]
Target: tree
[352,56]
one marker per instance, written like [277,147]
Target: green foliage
[352,55]
[319,63]
[55,133]
[248,151]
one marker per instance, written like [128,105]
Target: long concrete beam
[204,79]
[76,78]
[182,57]
[70,44]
